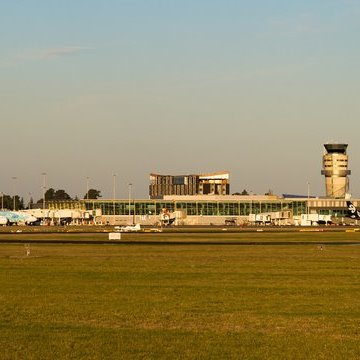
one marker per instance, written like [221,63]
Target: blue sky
[96,88]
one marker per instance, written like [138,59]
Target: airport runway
[265,236]
[177,243]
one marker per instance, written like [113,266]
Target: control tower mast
[335,163]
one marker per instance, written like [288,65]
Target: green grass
[181,235]
[181,302]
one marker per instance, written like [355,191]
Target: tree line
[17,203]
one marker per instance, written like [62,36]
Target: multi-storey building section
[204,184]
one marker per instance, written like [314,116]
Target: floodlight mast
[87,188]
[14,190]
[308,198]
[44,188]
[114,195]
[130,184]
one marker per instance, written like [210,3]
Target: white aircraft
[16,217]
[128,228]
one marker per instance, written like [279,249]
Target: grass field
[88,301]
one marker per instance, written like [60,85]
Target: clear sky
[92,88]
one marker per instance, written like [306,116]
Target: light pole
[44,187]
[114,187]
[114,194]
[130,203]
[87,188]
[14,187]
[30,200]
[308,198]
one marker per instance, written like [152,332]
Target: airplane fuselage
[16,217]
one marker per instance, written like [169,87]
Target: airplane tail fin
[353,212]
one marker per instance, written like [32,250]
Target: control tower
[335,163]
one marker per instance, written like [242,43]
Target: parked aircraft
[16,217]
[128,228]
[166,218]
[353,212]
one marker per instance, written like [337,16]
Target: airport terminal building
[206,210]
[205,200]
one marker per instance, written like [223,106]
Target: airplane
[128,228]
[16,217]
[353,212]
[166,218]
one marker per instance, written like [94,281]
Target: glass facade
[298,207]
[334,212]
[191,208]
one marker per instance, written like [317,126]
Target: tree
[244,192]
[55,195]
[20,204]
[61,195]
[31,203]
[92,194]
[49,195]
[8,202]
